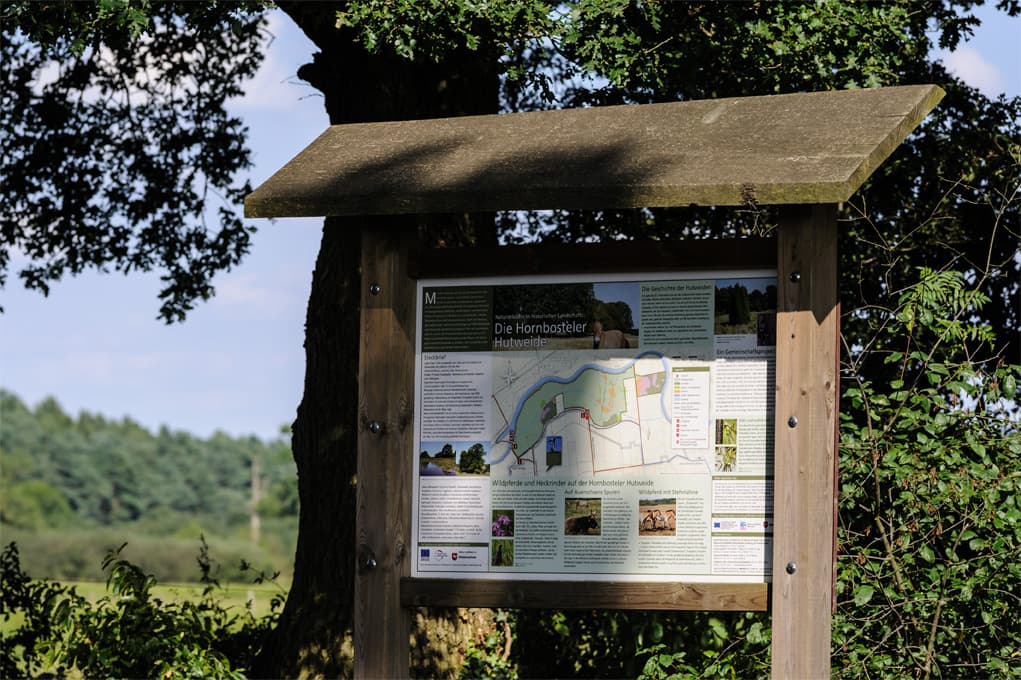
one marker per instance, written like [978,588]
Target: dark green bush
[127,633]
[617,644]
[930,500]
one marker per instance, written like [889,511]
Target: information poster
[572,430]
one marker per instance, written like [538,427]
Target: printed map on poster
[558,414]
[620,429]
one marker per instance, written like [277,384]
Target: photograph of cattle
[657,517]
[583,516]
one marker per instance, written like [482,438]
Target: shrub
[930,499]
[34,504]
[127,633]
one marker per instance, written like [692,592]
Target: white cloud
[968,64]
[268,294]
[241,289]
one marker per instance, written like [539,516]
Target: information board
[610,430]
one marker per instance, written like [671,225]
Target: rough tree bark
[312,638]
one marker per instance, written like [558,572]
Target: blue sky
[237,363]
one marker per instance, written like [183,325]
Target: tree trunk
[313,636]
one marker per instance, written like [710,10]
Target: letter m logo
[430,298]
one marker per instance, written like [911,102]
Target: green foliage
[537,300]
[113,472]
[75,553]
[649,47]
[662,664]
[34,504]
[492,659]
[432,29]
[73,488]
[75,26]
[117,143]
[939,303]
[127,633]
[738,310]
[615,644]
[25,606]
[930,506]
[473,460]
[613,315]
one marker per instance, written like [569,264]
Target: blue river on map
[566,381]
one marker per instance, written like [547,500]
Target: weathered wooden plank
[795,148]
[584,595]
[617,256]
[807,331]
[385,436]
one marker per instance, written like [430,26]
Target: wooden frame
[804,255]
[386,380]
[585,595]
[809,151]
[804,501]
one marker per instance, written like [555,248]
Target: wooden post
[807,354]
[386,386]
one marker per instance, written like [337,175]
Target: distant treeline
[73,486]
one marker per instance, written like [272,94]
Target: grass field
[232,596]
[235,596]
[447,464]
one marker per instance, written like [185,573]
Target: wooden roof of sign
[795,148]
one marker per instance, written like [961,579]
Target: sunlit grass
[235,597]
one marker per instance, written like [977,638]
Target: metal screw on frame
[795,277]
[370,563]
[375,289]
[791,567]
[375,427]
[792,421]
